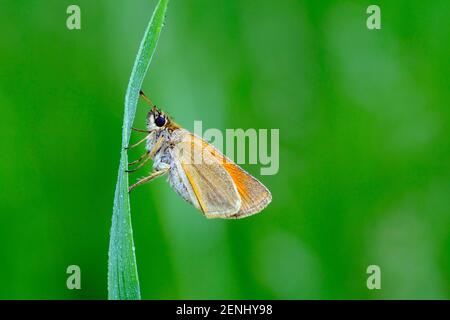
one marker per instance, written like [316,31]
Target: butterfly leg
[140,130]
[142,164]
[139,142]
[148,155]
[152,176]
[139,159]
[156,147]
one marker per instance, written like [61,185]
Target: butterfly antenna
[142,94]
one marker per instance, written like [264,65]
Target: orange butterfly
[198,172]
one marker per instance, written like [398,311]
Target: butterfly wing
[254,195]
[214,179]
[215,192]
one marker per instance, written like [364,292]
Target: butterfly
[197,171]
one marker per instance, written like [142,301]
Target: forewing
[254,195]
[211,183]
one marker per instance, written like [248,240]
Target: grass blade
[123,281]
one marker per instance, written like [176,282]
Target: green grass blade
[123,281]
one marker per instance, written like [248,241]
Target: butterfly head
[158,120]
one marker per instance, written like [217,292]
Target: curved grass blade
[123,281]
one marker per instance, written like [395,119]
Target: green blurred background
[364,147]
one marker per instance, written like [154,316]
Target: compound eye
[160,121]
